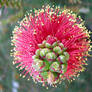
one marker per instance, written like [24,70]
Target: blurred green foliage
[12,11]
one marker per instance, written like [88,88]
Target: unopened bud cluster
[51,61]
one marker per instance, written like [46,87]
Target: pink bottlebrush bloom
[51,45]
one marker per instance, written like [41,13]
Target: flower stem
[66,87]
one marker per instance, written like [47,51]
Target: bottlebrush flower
[51,45]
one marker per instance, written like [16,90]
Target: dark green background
[13,10]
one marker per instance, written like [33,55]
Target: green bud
[44,51]
[64,67]
[64,49]
[61,75]
[35,57]
[66,55]
[55,67]
[38,64]
[47,45]
[46,66]
[44,42]
[36,60]
[50,56]
[62,59]
[57,49]
[45,75]
[54,44]
[38,77]
[41,45]
[61,45]
[38,52]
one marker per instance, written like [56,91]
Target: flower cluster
[51,44]
[50,59]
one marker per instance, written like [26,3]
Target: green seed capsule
[62,59]
[66,55]
[57,50]
[50,56]
[44,51]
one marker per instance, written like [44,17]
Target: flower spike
[51,45]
